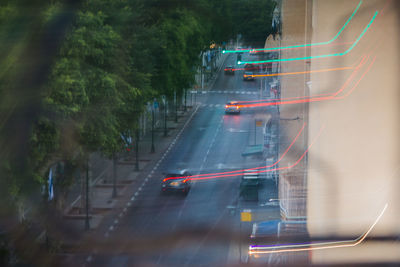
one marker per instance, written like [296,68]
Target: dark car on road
[176,182]
[248,76]
[229,70]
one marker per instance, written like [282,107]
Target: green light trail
[304,45]
[320,56]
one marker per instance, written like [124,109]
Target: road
[211,142]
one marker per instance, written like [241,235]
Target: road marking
[132,198]
[116,221]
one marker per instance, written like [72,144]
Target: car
[248,76]
[251,67]
[176,182]
[229,70]
[232,107]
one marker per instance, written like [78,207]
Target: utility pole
[152,150]
[114,159]
[184,107]
[137,146]
[87,224]
[165,115]
[176,107]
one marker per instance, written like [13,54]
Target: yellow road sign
[245,216]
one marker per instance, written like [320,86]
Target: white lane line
[111,228]
[116,221]
[132,198]
[136,194]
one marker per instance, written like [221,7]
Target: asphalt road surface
[202,228]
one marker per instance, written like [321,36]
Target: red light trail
[250,169]
[263,171]
[315,98]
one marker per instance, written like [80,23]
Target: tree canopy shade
[110,59]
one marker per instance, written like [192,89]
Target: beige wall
[352,170]
[353,166]
[295,30]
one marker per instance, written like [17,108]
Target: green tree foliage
[254,19]
[116,56]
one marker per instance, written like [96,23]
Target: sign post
[245,216]
[258,123]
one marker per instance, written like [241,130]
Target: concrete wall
[351,172]
[353,169]
[295,30]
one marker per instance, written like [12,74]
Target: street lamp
[152,150]
[165,114]
[87,223]
[137,146]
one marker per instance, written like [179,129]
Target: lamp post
[137,146]
[87,223]
[176,107]
[152,150]
[165,115]
[114,159]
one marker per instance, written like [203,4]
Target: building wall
[351,172]
[352,168]
[295,30]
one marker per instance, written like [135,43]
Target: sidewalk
[103,207]
[101,201]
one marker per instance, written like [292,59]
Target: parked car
[232,107]
[176,182]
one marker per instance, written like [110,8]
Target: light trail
[313,99]
[302,72]
[303,45]
[363,61]
[320,56]
[250,169]
[319,245]
[263,171]
[260,50]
